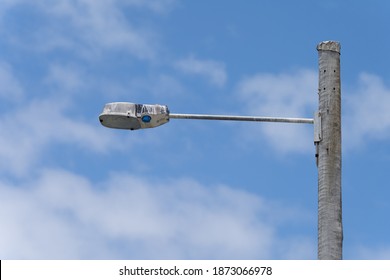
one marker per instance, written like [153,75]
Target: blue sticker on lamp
[146,119]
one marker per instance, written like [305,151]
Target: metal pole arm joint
[317,127]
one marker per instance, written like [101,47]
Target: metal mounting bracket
[317,127]
[317,133]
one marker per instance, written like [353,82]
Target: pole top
[329,46]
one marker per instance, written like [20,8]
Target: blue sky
[73,189]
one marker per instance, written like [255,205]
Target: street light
[126,115]
[327,140]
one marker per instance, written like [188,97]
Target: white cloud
[86,27]
[160,86]
[212,70]
[158,6]
[66,78]
[34,127]
[367,114]
[62,215]
[363,252]
[282,95]
[10,88]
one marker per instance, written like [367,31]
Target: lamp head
[124,115]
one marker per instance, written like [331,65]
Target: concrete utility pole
[330,229]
